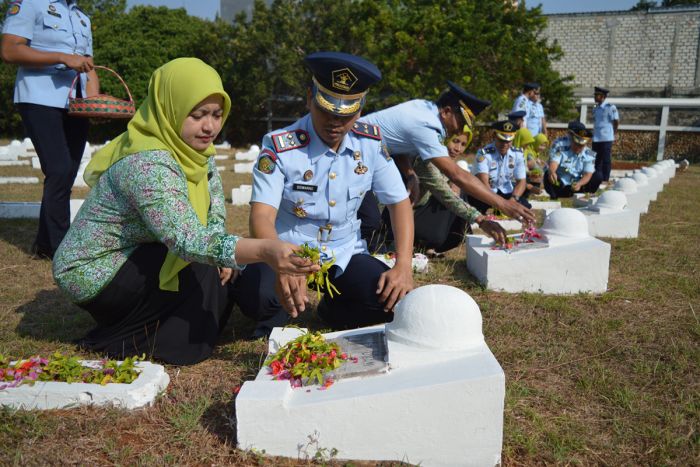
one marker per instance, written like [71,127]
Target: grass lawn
[610,379]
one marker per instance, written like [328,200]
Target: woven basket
[101,105]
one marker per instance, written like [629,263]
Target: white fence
[665,104]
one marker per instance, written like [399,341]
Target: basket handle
[75,80]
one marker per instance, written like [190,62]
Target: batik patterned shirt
[141,199]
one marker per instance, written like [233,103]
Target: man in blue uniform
[308,183]
[524,100]
[51,40]
[536,121]
[572,164]
[418,128]
[605,122]
[500,166]
[518,118]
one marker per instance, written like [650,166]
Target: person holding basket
[51,41]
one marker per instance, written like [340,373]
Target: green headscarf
[523,140]
[175,88]
[540,139]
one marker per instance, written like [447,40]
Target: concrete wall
[652,52]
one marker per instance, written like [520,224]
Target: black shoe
[39,252]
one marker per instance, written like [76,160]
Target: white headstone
[610,217]
[567,260]
[19,180]
[439,403]
[243,167]
[13,163]
[644,187]
[241,196]
[36,164]
[636,200]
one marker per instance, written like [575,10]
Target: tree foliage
[486,46]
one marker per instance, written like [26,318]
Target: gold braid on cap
[330,107]
[467,113]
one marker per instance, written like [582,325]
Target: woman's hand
[492,229]
[282,257]
[228,275]
[394,284]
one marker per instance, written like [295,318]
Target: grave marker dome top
[641,179]
[566,222]
[612,200]
[626,185]
[438,317]
[650,172]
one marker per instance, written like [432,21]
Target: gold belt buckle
[325,228]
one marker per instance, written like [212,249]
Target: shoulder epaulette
[489,148]
[517,149]
[366,129]
[294,139]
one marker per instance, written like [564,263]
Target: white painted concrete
[241,196]
[567,261]
[636,200]
[19,180]
[610,217]
[43,396]
[250,155]
[243,167]
[433,407]
[13,163]
[551,205]
[30,210]
[36,164]
[419,262]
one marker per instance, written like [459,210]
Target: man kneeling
[572,164]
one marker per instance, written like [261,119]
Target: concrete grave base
[550,205]
[433,409]
[19,180]
[419,262]
[13,163]
[617,224]
[43,396]
[580,265]
[30,210]
[243,167]
[241,196]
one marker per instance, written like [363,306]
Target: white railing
[664,103]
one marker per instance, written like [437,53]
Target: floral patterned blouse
[140,199]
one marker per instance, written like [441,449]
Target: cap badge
[508,126]
[343,79]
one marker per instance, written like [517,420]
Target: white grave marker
[241,196]
[635,199]
[567,260]
[432,393]
[610,217]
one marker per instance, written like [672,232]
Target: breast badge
[361,169]
[308,175]
[299,211]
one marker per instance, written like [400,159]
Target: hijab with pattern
[174,90]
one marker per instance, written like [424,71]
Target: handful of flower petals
[318,279]
[306,360]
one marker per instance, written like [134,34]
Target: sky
[209,8]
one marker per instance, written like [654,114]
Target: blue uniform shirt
[315,189]
[572,166]
[504,171]
[603,116]
[533,119]
[412,128]
[49,26]
[522,102]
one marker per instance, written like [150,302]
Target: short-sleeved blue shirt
[572,166]
[504,170]
[603,117]
[313,187]
[533,120]
[522,102]
[411,128]
[48,26]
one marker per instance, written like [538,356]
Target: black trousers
[483,207]
[603,159]
[59,141]
[372,229]
[135,316]
[565,191]
[356,306]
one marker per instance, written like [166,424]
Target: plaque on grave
[370,351]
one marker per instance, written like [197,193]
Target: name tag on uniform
[307,188]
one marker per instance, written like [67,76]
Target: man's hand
[413,188]
[292,293]
[576,186]
[79,63]
[492,229]
[515,210]
[553,177]
[394,284]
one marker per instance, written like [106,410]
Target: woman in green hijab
[148,255]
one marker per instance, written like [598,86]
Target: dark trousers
[356,306]
[372,229]
[59,141]
[483,207]
[565,191]
[603,159]
[134,316]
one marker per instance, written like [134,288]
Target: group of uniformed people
[317,181]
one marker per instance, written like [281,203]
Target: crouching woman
[148,255]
